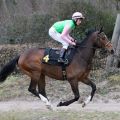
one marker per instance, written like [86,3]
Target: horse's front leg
[93,86]
[74,86]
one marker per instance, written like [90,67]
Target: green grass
[58,115]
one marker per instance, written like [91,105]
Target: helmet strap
[75,22]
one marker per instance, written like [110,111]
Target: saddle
[51,56]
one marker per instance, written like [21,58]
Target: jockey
[60,32]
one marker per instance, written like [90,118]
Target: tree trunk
[117,58]
[112,60]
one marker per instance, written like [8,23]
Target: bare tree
[115,59]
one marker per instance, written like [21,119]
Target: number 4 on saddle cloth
[51,57]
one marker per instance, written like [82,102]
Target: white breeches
[57,36]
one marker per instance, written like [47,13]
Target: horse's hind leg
[93,86]
[42,93]
[32,87]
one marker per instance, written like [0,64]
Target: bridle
[100,36]
[107,43]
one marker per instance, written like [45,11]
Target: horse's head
[103,42]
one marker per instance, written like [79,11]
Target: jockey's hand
[73,43]
[73,40]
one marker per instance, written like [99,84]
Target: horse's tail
[8,69]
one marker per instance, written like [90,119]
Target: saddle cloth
[51,56]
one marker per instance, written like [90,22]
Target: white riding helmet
[77,15]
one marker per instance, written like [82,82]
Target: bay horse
[30,62]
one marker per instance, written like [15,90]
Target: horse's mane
[88,32]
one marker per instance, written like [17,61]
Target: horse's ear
[101,29]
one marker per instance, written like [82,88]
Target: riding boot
[61,58]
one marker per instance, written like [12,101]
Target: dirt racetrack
[28,105]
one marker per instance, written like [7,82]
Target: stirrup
[66,61]
[60,60]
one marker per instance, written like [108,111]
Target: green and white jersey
[59,26]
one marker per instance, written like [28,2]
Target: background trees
[23,21]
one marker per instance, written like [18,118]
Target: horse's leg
[32,87]
[42,93]
[74,86]
[93,86]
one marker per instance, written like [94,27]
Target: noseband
[107,43]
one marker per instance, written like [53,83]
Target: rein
[78,45]
[86,47]
[99,36]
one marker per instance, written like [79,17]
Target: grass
[58,115]
[16,87]
[13,87]
[115,79]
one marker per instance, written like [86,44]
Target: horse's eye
[102,35]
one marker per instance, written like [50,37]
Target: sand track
[38,105]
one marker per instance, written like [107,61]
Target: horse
[30,63]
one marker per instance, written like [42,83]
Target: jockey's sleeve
[65,34]
[67,29]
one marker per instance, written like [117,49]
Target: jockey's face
[78,22]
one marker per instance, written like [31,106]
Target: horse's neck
[87,51]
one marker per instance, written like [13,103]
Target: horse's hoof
[60,104]
[83,104]
[49,107]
